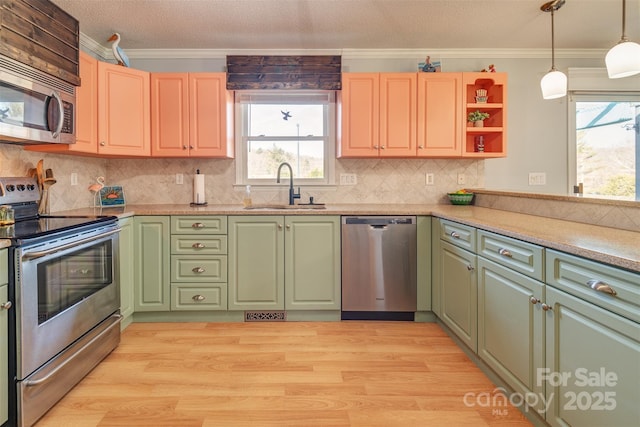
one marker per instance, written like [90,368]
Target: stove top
[23,194]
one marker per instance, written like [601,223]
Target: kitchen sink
[285,206]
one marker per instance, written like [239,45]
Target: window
[297,127]
[604,134]
[607,145]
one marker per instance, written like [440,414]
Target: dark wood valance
[284,72]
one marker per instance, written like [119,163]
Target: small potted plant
[477,117]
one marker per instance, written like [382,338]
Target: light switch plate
[348,179]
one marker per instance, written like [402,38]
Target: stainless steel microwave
[35,107]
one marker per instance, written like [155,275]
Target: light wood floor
[282,374]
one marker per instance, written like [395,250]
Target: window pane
[306,158]
[607,141]
[286,120]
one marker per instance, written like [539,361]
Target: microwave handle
[58,128]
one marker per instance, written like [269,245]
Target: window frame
[242,137]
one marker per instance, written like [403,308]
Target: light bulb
[554,84]
[623,60]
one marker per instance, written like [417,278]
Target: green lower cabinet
[592,374]
[423,253]
[198,297]
[458,292]
[312,263]
[284,262]
[510,328]
[256,262]
[127,267]
[152,265]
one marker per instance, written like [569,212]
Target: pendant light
[623,60]
[554,83]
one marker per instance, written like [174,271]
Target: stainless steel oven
[63,283]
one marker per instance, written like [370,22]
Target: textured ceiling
[353,24]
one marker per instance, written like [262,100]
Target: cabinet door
[256,263]
[124,121]
[440,120]
[170,114]
[592,375]
[152,282]
[360,113]
[211,116]
[127,267]
[510,327]
[398,106]
[87,107]
[4,353]
[459,293]
[312,263]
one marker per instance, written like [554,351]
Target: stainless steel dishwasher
[379,267]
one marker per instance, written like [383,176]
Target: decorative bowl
[460,199]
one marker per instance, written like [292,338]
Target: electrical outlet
[348,179]
[537,178]
[428,179]
[462,180]
[179,179]
[74,178]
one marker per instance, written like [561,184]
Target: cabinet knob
[504,252]
[382,147]
[288,227]
[534,300]
[198,298]
[375,147]
[454,235]
[470,267]
[6,305]
[184,147]
[546,307]
[600,286]
[191,147]
[198,270]
[197,245]
[197,225]
[102,143]
[420,147]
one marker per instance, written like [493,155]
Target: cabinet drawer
[198,268]
[596,283]
[186,297]
[189,224]
[460,235]
[523,257]
[203,245]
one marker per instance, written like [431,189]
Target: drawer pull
[6,305]
[198,270]
[546,307]
[455,235]
[470,267]
[534,300]
[198,298]
[504,252]
[600,286]
[197,245]
[197,225]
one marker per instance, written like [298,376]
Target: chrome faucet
[292,194]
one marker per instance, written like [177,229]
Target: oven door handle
[31,383]
[40,254]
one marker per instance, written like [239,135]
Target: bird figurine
[95,189]
[118,53]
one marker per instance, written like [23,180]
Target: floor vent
[265,316]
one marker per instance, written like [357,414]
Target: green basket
[460,199]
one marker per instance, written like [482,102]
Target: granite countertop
[609,245]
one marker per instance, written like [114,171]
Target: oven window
[64,281]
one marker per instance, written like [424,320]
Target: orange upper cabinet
[440,120]
[485,92]
[192,115]
[124,119]
[378,115]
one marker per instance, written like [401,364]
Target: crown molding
[105,53]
